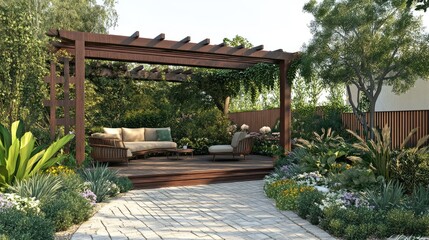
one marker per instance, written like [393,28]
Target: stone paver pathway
[219,211]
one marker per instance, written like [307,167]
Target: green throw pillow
[163,135]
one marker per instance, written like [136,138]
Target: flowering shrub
[273,189]
[310,179]
[90,196]
[57,170]
[244,127]
[113,189]
[265,130]
[231,129]
[11,200]
[342,200]
[287,199]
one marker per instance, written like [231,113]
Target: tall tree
[367,44]
[24,53]
[22,64]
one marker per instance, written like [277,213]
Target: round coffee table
[178,151]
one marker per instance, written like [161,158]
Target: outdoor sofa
[121,144]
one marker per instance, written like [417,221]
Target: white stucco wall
[416,98]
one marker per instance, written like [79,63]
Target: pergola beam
[116,40]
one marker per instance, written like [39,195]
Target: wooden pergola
[83,45]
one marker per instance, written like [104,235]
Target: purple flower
[90,196]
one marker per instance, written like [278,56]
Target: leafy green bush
[410,168]
[99,179]
[356,178]
[354,223]
[15,224]
[20,159]
[40,186]
[307,206]
[268,147]
[67,209]
[123,183]
[325,153]
[72,182]
[307,119]
[406,222]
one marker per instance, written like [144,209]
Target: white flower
[265,130]
[244,127]
[322,189]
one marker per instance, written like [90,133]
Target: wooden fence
[400,122]
[256,119]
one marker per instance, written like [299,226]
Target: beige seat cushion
[115,131]
[133,134]
[220,149]
[104,135]
[238,136]
[150,133]
[149,145]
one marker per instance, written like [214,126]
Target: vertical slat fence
[400,122]
[256,119]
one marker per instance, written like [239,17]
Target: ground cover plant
[356,190]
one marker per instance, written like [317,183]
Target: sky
[276,24]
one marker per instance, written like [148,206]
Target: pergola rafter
[82,45]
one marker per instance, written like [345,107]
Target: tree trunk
[226,106]
[371,119]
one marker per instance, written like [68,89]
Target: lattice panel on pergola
[66,104]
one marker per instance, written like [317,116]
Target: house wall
[416,98]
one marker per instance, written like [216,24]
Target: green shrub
[124,184]
[406,222]
[326,153]
[268,147]
[411,168]
[354,223]
[68,209]
[72,182]
[355,178]
[40,186]
[100,180]
[15,224]
[418,201]
[287,199]
[307,206]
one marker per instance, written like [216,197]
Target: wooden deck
[165,171]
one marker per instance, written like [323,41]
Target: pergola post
[80,97]
[285,107]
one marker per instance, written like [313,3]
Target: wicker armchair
[108,150]
[240,145]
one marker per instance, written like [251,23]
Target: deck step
[197,177]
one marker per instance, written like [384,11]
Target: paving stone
[231,211]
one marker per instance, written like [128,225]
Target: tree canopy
[366,44]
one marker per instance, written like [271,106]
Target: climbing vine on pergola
[82,45]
